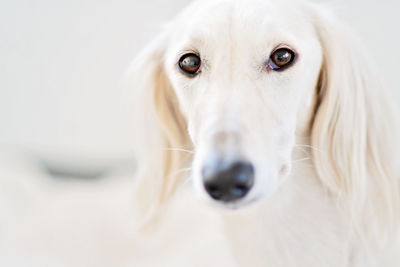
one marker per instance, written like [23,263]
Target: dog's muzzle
[226,175]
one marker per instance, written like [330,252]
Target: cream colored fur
[339,208]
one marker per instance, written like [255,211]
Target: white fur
[340,207]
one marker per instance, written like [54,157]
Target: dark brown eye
[190,64]
[281,59]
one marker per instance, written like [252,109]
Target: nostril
[240,190]
[244,173]
[228,182]
[214,191]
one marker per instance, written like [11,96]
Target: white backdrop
[62,62]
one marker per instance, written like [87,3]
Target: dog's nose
[228,182]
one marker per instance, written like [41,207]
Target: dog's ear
[160,131]
[353,128]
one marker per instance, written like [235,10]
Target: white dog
[269,110]
[272,111]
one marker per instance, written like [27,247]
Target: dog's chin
[231,206]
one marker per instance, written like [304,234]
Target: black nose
[228,182]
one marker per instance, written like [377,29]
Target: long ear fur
[161,131]
[354,132]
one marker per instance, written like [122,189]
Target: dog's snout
[228,182]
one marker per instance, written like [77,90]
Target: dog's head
[239,84]
[244,75]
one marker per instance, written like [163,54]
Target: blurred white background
[62,64]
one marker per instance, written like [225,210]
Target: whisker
[179,149]
[300,160]
[304,150]
[179,171]
[309,146]
[187,180]
[304,162]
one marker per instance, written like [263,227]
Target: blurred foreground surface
[52,221]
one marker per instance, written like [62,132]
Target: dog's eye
[281,59]
[190,64]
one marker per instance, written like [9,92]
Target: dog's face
[245,76]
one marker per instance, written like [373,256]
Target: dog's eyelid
[283,45]
[185,52]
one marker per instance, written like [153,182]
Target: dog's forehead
[205,23]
